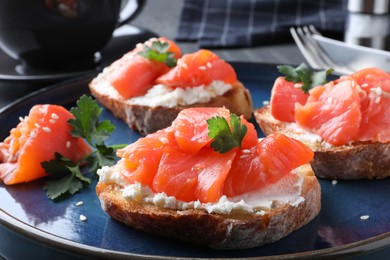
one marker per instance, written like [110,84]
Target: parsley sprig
[304,74]
[66,177]
[224,138]
[158,51]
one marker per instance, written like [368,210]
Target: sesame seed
[184,66]
[52,121]
[83,218]
[164,140]
[54,116]
[243,156]
[297,85]
[334,182]
[79,203]
[21,119]
[364,217]
[209,65]
[266,102]
[33,134]
[377,100]
[46,129]
[202,67]
[364,85]
[68,144]
[37,125]
[247,151]
[378,91]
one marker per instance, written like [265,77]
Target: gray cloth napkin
[243,23]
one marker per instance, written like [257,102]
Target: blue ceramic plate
[31,224]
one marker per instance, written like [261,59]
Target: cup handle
[129,11]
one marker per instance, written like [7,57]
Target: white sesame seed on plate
[83,218]
[79,203]
[334,182]
[364,217]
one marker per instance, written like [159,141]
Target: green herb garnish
[65,176]
[304,74]
[159,52]
[224,138]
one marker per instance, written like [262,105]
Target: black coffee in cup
[60,34]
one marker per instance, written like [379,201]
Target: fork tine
[320,53]
[339,68]
[313,30]
[302,45]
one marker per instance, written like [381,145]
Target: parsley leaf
[304,74]
[65,176]
[225,138]
[159,52]
[86,122]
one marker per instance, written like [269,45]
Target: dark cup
[60,34]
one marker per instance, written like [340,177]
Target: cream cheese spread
[161,95]
[286,191]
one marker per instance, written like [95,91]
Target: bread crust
[360,160]
[215,230]
[147,119]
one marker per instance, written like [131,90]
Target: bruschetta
[190,183]
[151,84]
[345,122]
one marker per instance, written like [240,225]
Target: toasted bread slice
[360,160]
[148,119]
[222,231]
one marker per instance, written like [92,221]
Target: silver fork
[313,53]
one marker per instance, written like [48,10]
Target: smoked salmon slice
[166,164]
[190,127]
[36,139]
[375,124]
[133,74]
[141,159]
[284,95]
[197,69]
[267,162]
[332,111]
[191,177]
[350,109]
